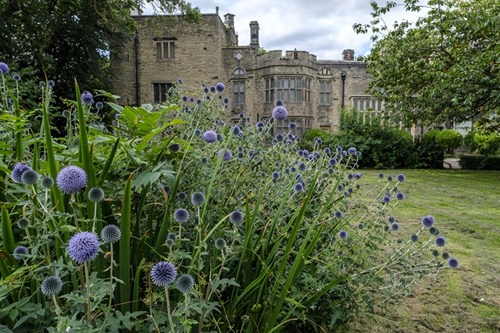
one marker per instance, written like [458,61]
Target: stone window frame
[238,92]
[303,124]
[160,91]
[165,48]
[288,88]
[239,72]
[366,103]
[325,92]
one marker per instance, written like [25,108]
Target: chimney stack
[254,34]
[229,20]
[348,55]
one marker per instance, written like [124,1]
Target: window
[282,126]
[366,103]
[288,89]
[325,92]
[165,50]
[239,72]
[324,71]
[160,92]
[238,93]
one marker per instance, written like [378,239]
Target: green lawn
[466,206]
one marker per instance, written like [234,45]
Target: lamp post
[343,76]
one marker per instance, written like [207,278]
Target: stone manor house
[313,90]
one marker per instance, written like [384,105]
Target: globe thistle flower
[96,194]
[351,151]
[227,154]
[226,101]
[181,196]
[16,77]
[298,187]
[51,286]
[18,170]
[110,234]
[434,231]
[220,87]
[389,178]
[169,242]
[83,247]
[358,153]
[292,125]
[172,236]
[381,175]
[435,253]
[23,223]
[318,141]
[185,283]
[357,175]
[203,160]
[414,238]
[163,274]
[386,199]
[4,68]
[302,166]
[19,252]
[445,255]
[401,177]
[220,137]
[198,199]
[236,130]
[427,221]
[400,196]
[71,179]
[343,234]
[47,182]
[279,102]
[87,97]
[174,147]
[41,84]
[440,241]
[29,177]
[332,161]
[250,153]
[275,175]
[206,90]
[51,83]
[181,215]
[220,243]
[197,132]
[279,137]
[395,226]
[453,263]
[259,124]
[280,113]
[209,136]
[236,217]
[392,219]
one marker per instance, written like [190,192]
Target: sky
[321,27]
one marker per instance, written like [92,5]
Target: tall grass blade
[124,258]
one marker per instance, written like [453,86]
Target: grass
[466,205]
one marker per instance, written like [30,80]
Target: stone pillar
[254,34]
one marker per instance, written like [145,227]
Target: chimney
[229,20]
[217,10]
[254,34]
[348,55]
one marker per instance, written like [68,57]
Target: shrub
[273,238]
[474,162]
[449,139]
[486,143]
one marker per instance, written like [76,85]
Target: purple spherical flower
[414,238]
[198,199]
[280,113]
[351,151]
[279,102]
[395,226]
[209,136]
[343,234]
[440,241]
[236,217]
[236,130]
[83,247]
[110,234]
[386,199]
[20,252]
[30,177]
[181,215]
[338,214]
[163,274]
[357,175]
[292,125]
[298,187]
[220,87]
[87,97]
[51,286]
[227,154]
[453,262]
[4,68]
[400,196]
[401,177]
[185,283]
[71,179]
[18,170]
[427,221]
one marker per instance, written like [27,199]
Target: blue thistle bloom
[209,136]
[332,161]
[172,236]
[427,221]
[279,102]
[241,115]
[250,153]
[236,217]
[16,77]
[227,154]
[453,263]
[357,175]
[206,90]
[236,130]
[19,252]
[220,137]
[181,215]
[185,283]
[445,255]
[327,150]
[96,194]
[395,226]
[41,84]
[87,97]
[51,286]
[343,234]
[292,125]
[169,242]
[414,238]
[71,179]
[220,243]
[181,196]
[318,141]
[198,101]
[400,196]
[184,98]
[198,199]
[389,178]
[204,160]
[440,241]
[434,231]
[275,175]
[279,137]
[350,176]
[174,147]
[259,124]
[302,166]
[225,101]
[392,219]
[51,83]
[197,132]
[191,99]
[220,87]
[29,177]
[47,182]
[18,170]
[298,187]
[83,247]
[4,68]
[381,175]
[344,153]
[212,89]
[23,223]
[163,274]
[358,153]
[351,151]
[110,234]
[293,169]
[386,199]
[401,178]
[280,113]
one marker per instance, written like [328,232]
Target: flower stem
[58,309]
[87,285]
[111,277]
[169,313]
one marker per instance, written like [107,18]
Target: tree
[67,39]
[445,67]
